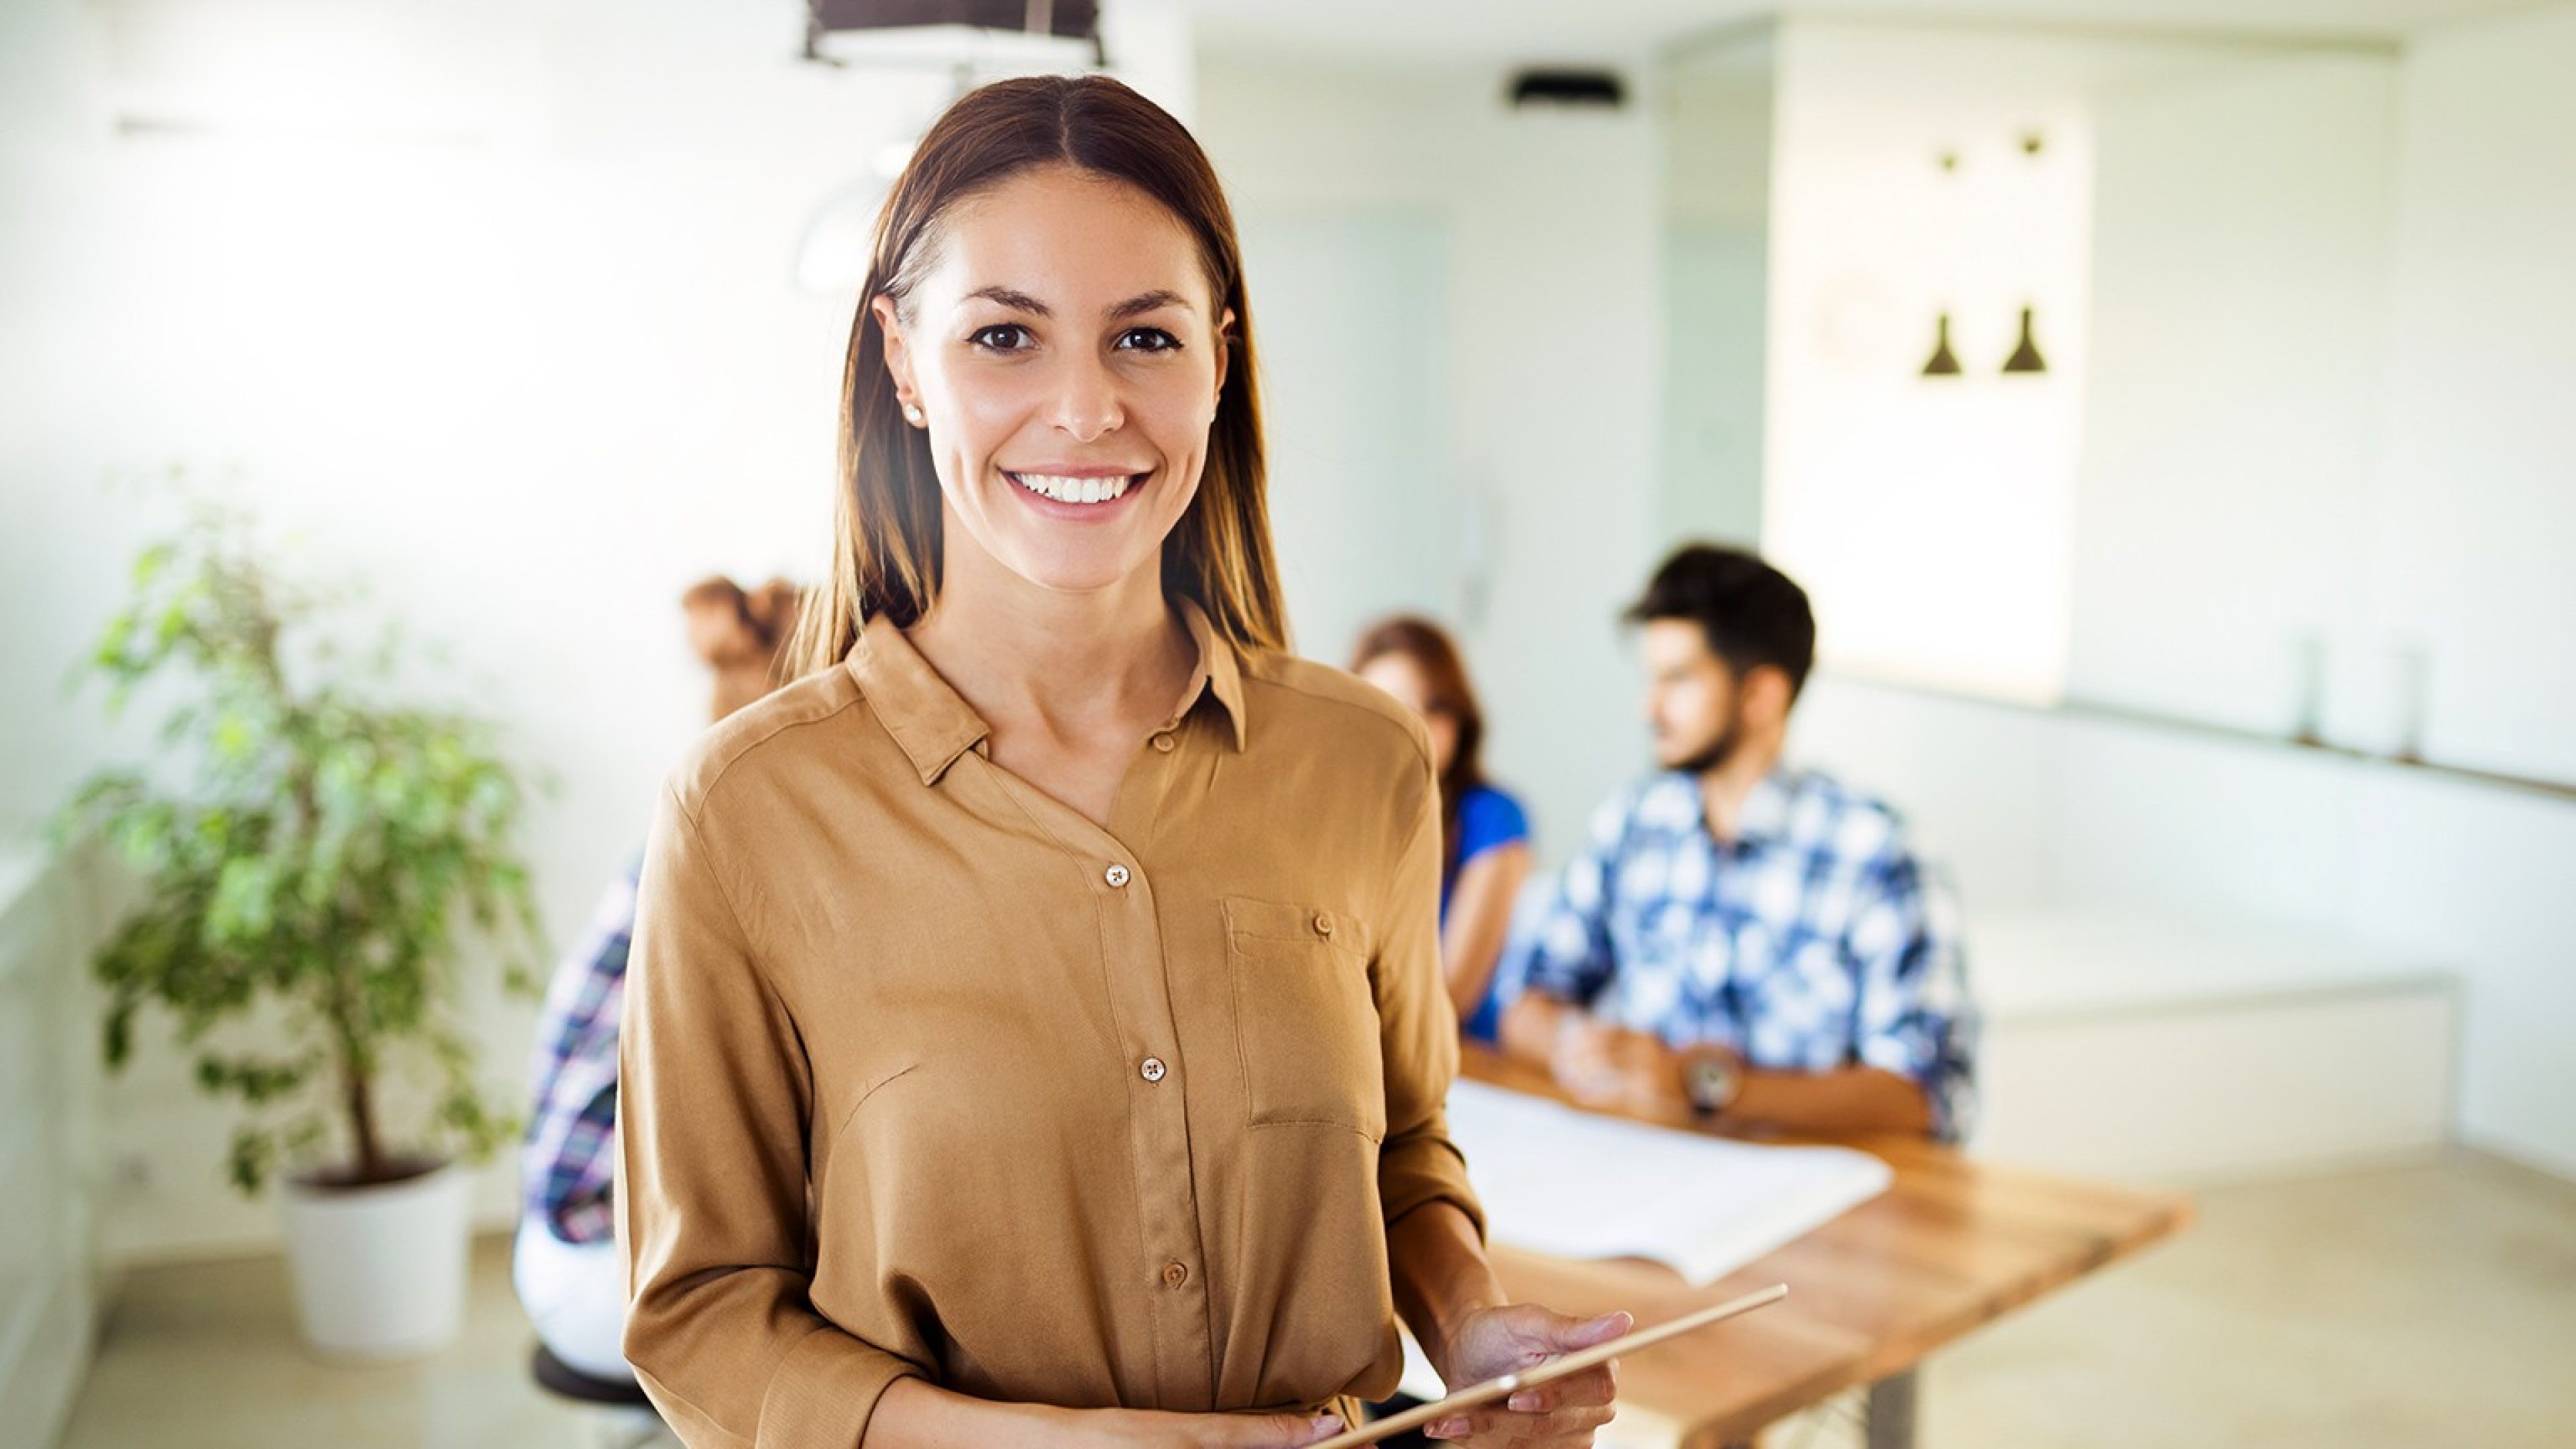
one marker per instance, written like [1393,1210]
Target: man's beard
[1717,751]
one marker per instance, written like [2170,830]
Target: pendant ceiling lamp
[1944,362]
[2025,354]
[2026,358]
[1945,231]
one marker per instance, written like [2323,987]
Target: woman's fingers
[1574,1333]
[1573,1424]
[1592,1386]
[1565,1411]
[1292,1430]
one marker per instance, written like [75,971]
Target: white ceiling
[1491,31]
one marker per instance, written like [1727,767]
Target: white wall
[1540,460]
[2474,518]
[2241,228]
[1350,321]
[495,306]
[1717,142]
[48,1297]
[2474,522]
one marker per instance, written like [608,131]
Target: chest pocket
[1304,1017]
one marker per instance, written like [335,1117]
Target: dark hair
[1751,613]
[1445,672]
[886,529]
[748,636]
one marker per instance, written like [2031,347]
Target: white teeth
[1074,490]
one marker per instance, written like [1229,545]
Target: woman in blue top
[1487,832]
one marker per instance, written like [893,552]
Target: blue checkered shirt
[1814,940]
[566,1163]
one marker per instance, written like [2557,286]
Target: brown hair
[1445,673]
[743,636]
[887,522]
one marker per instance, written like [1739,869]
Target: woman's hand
[1152,1429]
[1562,1414]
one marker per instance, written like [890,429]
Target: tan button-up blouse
[925,1073]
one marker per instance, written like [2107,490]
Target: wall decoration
[1944,362]
[2025,354]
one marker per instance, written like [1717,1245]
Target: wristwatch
[1711,1081]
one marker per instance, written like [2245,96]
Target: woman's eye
[1002,337]
[1147,339]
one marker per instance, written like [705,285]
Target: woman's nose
[1087,403]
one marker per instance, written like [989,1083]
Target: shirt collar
[1219,674]
[1764,816]
[933,724]
[1673,802]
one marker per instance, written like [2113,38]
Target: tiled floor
[205,1357]
[2426,1304]
[2411,1306]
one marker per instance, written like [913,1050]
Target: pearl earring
[912,414]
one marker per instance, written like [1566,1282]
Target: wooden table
[1950,1245]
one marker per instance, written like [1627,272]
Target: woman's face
[1398,675]
[1066,357]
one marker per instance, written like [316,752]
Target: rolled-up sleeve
[1914,1015]
[714,1107]
[1418,1029]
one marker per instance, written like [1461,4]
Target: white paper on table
[1575,1184]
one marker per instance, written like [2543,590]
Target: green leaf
[232,738]
[117,1037]
[252,1158]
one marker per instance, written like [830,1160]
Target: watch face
[1712,1084]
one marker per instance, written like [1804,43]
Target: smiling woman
[1083,192]
[1034,1026]
[1084,392]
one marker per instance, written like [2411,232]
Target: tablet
[1555,1368]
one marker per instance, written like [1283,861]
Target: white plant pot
[380,1271]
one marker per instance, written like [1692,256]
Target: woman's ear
[1224,348]
[898,356]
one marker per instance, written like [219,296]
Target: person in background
[565,1263]
[1738,941]
[1484,832]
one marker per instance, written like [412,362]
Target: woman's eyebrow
[1149,302]
[1016,301]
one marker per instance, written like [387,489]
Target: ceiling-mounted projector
[1066,19]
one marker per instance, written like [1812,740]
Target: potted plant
[318,868]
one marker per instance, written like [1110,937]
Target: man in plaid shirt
[572,1141]
[565,1264]
[1738,941]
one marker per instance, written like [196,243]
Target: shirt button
[1152,1069]
[1116,875]
[1163,744]
[1175,1274]
[1323,923]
